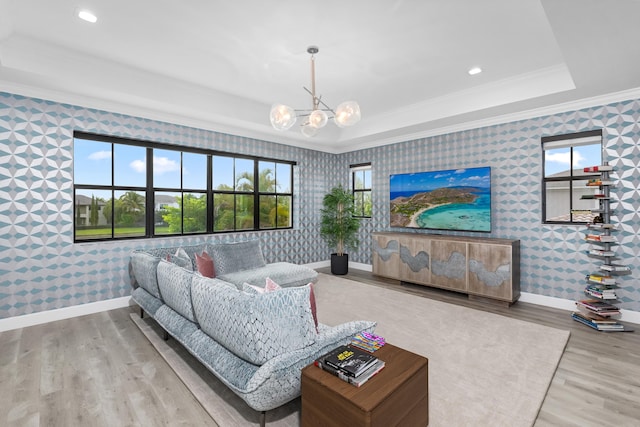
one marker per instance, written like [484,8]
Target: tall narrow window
[564,181]
[361,186]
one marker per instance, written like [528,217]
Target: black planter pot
[339,264]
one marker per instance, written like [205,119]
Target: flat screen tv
[456,199]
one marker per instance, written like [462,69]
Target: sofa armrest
[144,267]
[328,339]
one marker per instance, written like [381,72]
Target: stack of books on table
[351,364]
[368,342]
[598,322]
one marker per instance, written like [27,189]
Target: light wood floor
[99,370]
[96,370]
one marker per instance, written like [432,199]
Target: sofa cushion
[283,273]
[205,266]
[255,327]
[146,301]
[232,257]
[144,268]
[175,285]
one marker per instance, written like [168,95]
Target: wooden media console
[479,267]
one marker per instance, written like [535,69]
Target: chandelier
[284,117]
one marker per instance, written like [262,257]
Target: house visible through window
[125,188]
[564,181]
[361,186]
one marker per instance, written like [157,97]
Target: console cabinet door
[491,270]
[415,260]
[449,264]
[386,257]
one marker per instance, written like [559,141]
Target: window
[361,182]
[125,188]
[564,180]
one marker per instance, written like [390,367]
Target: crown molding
[245,129]
[580,104]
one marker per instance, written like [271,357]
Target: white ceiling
[220,65]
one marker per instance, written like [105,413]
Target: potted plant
[339,228]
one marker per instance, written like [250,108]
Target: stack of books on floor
[601,308]
[351,364]
[368,342]
[598,322]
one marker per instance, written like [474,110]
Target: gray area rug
[484,369]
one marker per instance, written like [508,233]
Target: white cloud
[138,165]
[565,158]
[162,165]
[560,158]
[100,155]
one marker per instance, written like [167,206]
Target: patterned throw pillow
[271,286]
[181,259]
[205,265]
[312,300]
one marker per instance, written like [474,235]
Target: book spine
[334,371]
[358,383]
[609,267]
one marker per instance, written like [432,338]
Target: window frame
[570,141]
[354,169]
[150,191]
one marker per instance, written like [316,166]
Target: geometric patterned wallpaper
[553,257]
[42,269]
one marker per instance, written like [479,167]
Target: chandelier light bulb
[347,114]
[308,130]
[318,119]
[282,117]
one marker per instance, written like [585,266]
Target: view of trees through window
[361,180]
[135,189]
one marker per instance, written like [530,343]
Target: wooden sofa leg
[165,336]
[141,313]
[263,418]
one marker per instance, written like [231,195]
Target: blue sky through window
[558,160]
[92,166]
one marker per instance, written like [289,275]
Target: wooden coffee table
[396,396]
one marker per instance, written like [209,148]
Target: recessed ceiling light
[474,70]
[85,15]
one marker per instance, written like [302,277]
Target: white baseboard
[356,265]
[62,313]
[570,305]
[321,264]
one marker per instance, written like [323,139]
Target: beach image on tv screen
[456,199]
